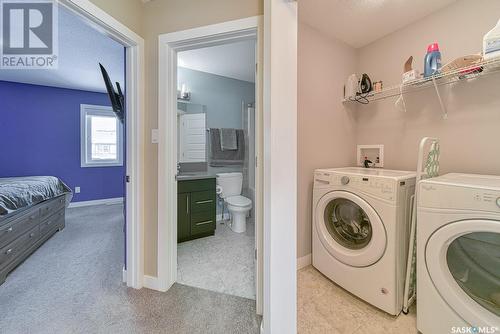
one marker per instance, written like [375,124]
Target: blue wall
[40,135]
[220,95]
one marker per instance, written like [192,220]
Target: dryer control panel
[455,197]
[377,186]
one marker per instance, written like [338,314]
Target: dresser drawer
[50,207]
[14,249]
[52,223]
[202,222]
[203,201]
[18,226]
[189,186]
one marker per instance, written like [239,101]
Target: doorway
[71,133]
[133,269]
[216,168]
[171,45]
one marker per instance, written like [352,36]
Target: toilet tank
[230,184]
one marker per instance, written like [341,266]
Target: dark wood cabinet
[23,232]
[183,231]
[196,209]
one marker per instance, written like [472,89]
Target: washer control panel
[377,186]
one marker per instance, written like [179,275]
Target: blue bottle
[432,63]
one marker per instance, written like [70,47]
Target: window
[101,137]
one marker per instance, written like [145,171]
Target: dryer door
[350,229]
[463,261]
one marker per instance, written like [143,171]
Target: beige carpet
[72,284]
[324,307]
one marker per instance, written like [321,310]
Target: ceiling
[360,22]
[81,49]
[235,60]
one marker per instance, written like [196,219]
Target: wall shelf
[461,74]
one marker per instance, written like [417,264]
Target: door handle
[8,251]
[204,223]
[204,202]
[187,204]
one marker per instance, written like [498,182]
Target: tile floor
[222,263]
[324,307]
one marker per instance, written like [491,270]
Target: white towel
[228,140]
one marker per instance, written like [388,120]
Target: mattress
[18,193]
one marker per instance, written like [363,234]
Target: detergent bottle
[432,63]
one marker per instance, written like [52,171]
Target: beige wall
[163,16]
[471,134]
[150,20]
[328,133]
[128,12]
[325,129]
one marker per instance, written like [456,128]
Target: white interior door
[193,138]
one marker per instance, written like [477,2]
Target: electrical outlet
[77,190]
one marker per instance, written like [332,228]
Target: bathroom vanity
[196,206]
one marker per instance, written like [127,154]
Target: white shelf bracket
[443,107]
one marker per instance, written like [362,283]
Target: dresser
[23,232]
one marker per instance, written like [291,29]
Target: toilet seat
[238,201]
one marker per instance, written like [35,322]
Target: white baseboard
[149,282]
[304,261]
[152,283]
[106,201]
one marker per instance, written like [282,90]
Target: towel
[228,140]
[219,158]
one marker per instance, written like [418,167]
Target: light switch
[77,190]
[154,136]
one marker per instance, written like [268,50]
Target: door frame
[169,45]
[134,82]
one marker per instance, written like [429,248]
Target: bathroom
[216,168]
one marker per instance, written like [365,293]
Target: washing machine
[360,231]
[458,254]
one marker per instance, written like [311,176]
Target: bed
[32,209]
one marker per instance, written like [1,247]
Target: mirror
[191,132]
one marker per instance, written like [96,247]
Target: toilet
[229,188]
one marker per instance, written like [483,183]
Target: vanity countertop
[195,176]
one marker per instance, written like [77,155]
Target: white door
[350,229]
[463,262]
[193,138]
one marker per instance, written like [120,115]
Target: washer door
[463,261]
[350,229]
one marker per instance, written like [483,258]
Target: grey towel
[228,140]
[219,158]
